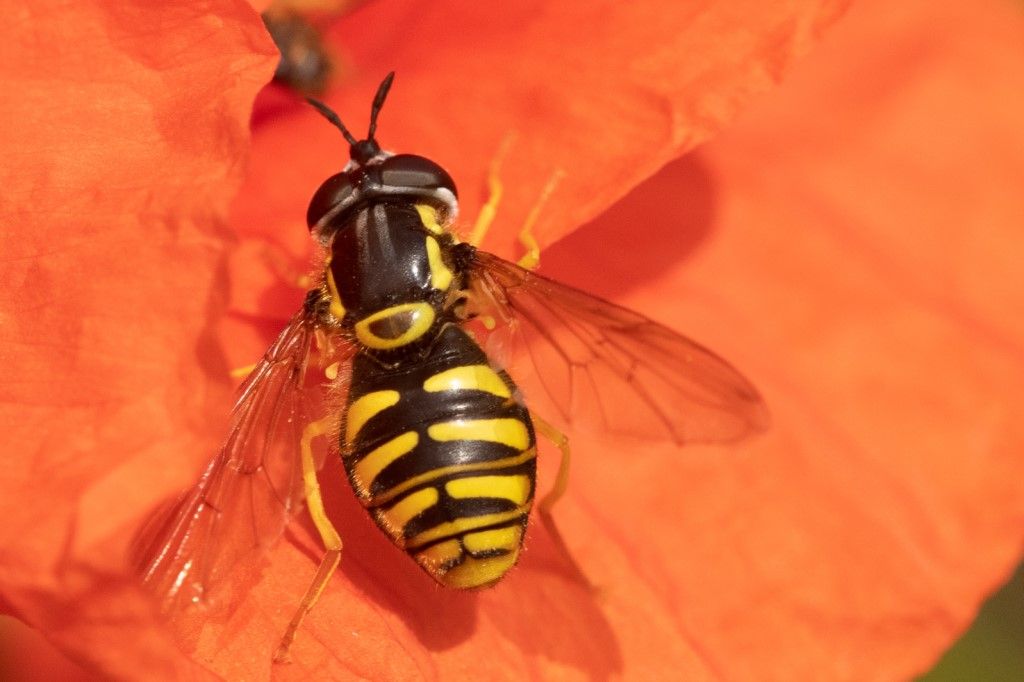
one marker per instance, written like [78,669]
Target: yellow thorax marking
[336,308]
[510,432]
[371,465]
[415,319]
[440,276]
[468,377]
[515,488]
[428,216]
[365,407]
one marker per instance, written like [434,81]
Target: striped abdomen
[442,454]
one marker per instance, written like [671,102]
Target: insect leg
[495,190]
[321,344]
[242,372]
[278,260]
[328,534]
[561,441]
[283,265]
[531,259]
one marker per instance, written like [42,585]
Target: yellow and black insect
[436,439]
[305,64]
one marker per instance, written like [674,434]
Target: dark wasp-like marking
[436,443]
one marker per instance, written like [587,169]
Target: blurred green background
[993,649]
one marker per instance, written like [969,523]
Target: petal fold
[122,148]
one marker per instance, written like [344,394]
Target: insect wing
[248,492]
[601,364]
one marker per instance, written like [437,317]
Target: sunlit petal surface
[850,243]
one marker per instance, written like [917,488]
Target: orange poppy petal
[121,151]
[854,243]
[26,656]
[832,245]
[718,567]
[607,92]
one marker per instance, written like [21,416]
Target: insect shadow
[528,608]
[662,221]
[669,218]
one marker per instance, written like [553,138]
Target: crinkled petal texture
[850,245]
[124,130]
[606,91]
[854,244]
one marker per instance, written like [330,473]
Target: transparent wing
[198,552]
[598,363]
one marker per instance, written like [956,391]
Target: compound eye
[334,192]
[415,173]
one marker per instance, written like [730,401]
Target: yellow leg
[331,371]
[531,259]
[280,262]
[495,190]
[328,534]
[241,372]
[277,259]
[561,441]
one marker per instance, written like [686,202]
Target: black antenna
[329,114]
[378,103]
[366,150]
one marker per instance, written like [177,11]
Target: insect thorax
[390,273]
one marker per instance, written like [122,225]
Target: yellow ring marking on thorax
[468,377]
[336,308]
[440,275]
[515,488]
[407,509]
[365,407]
[367,469]
[428,216]
[409,321]
[510,432]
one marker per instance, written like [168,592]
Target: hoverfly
[296,27]
[305,65]
[437,441]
